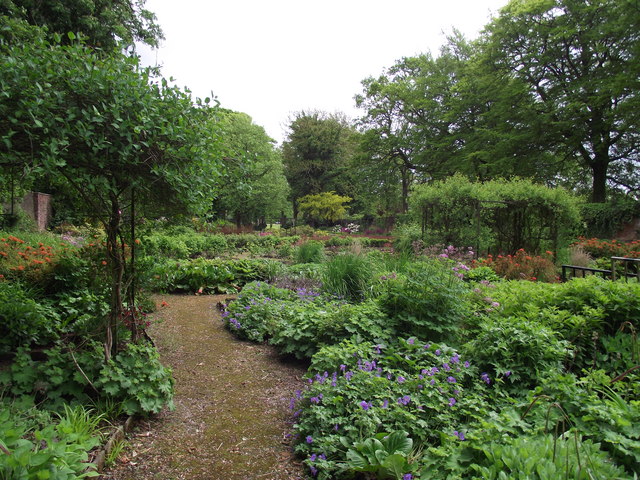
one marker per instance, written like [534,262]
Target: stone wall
[38,206]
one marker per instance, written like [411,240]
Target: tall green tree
[105,128]
[106,24]
[253,187]
[317,153]
[579,61]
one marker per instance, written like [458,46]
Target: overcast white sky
[271,58]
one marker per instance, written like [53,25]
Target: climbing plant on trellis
[498,216]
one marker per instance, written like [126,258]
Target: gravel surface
[232,397]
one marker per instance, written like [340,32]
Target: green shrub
[23,320]
[307,326]
[428,300]
[136,376]
[311,251]
[516,349]
[257,311]
[206,275]
[54,379]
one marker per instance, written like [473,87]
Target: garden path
[232,397]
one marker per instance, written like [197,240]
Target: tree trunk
[405,189]
[599,167]
[116,266]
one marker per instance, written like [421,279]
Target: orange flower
[164,304]
[104,262]
[137,241]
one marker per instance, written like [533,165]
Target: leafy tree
[325,206]
[104,23]
[105,128]
[316,154]
[579,62]
[253,187]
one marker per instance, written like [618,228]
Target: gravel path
[232,397]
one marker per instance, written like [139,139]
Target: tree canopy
[549,91]
[317,153]
[105,128]
[104,23]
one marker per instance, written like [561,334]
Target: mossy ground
[231,416]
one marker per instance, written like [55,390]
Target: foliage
[60,377]
[206,275]
[56,450]
[310,251]
[539,44]
[189,244]
[30,258]
[508,214]
[516,349]
[127,138]
[425,390]
[584,311]
[300,322]
[324,206]
[385,455]
[315,153]
[547,458]
[607,219]
[522,266]
[23,320]
[104,24]
[428,300]
[136,377]
[253,187]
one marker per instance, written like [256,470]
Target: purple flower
[485,378]
[343,367]
[446,367]
[309,439]
[385,404]
[452,401]
[313,457]
[404,400]
[467,364]
[407,476]
[348,375]
[401,379]
[438,352]
[314,470]
[336,427]
[365,405]
[427,346]
[411,341]
[455,358]
[451,379]
[507,373]
[460,435]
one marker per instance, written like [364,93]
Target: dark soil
[232,397]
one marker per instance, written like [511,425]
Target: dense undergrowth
[424,364]
[428,369]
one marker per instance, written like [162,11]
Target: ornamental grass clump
[349,276]
[311,251]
